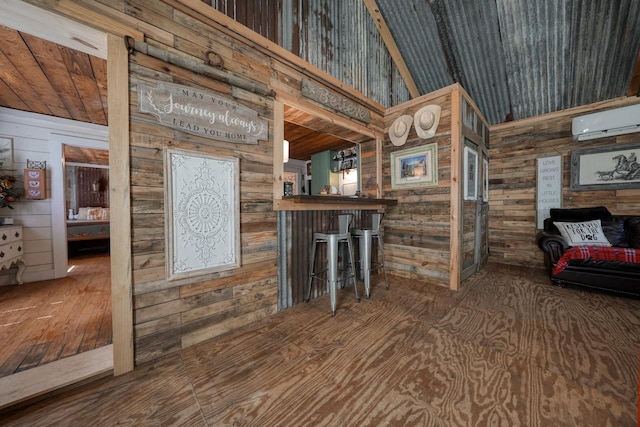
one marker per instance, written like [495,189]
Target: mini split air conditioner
[607,123]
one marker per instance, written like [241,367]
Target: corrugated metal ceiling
[516,58]
[519,58]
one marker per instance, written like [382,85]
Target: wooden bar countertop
[331,202]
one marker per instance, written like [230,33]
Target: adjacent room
[302,212]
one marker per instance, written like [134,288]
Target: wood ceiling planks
[304,142]
[74,154]
[42,77]
[308,134]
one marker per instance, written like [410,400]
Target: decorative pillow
[588,233]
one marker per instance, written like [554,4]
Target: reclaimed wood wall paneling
[417,229]
[512,182]
[171,315]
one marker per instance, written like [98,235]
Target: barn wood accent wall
[512,180]
[172,315]
[167,315]
[417,229]
[427,232]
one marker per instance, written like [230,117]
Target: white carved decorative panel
[202,207]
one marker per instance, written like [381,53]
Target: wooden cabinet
[11,249]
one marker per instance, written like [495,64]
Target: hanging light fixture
[285,151]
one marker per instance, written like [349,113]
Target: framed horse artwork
[605,168]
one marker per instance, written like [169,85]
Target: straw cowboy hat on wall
[399,130]
[426,121]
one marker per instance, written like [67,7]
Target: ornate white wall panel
[202,207]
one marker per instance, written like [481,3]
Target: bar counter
[331,202]
[298,218]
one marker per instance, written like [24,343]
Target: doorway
[116,358]
[52,317]
[475,208]
[86,176]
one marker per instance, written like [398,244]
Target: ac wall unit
[607,123]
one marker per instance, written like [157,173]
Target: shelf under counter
[331,202]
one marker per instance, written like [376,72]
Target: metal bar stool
[333,240]
[365,236]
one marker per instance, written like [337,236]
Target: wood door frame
[58,193]
[473,145]
[28,18]
[323,114]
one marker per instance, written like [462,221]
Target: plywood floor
[507,350]
[41,322]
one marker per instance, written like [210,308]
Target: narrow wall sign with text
[201,113]
[549,186]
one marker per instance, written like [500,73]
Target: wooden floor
[41,322]
[508,349]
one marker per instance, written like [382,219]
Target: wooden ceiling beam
[389,41]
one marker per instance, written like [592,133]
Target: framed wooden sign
[549,187]
[202,113]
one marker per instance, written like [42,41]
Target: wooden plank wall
[367,168]
[417,229]
[172,315]
[512,180]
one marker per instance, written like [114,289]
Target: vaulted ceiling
[519,58]
[516,58]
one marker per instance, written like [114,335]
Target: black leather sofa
[621,231]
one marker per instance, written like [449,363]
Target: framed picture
[202,208]
[614,167]
[415,167]
[6,153]
[470,173]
